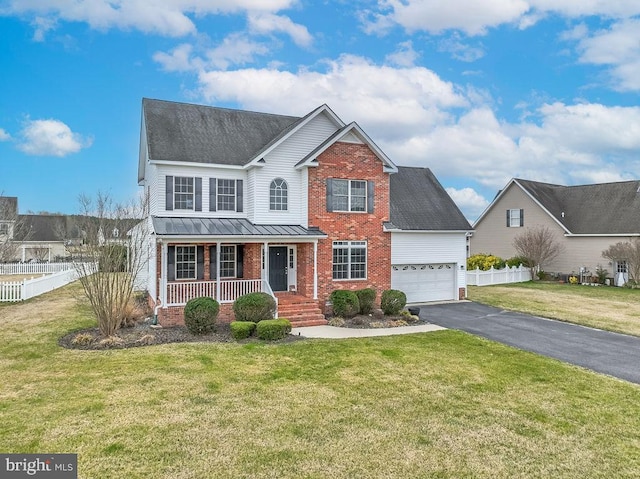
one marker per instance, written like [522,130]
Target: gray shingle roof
[8,207]
[206,134]
[604,208]
[419,202]
[226,227]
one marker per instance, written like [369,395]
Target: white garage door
[425,282]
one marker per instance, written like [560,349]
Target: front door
[278,261]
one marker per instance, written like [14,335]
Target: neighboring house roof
[419,202]
[45,228]
[598,209]
[226,227]
[8,207]
[206,134]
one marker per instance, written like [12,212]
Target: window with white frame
[4,229]
[226,197]
[622,267]
[183,193]
[349,260]
[515,218]
[278,195]
[228,261]
[349,195]
[186,262]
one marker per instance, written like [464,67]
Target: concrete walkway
[332,332]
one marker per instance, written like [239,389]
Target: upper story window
[226,195]
[183,193]
[4,229]
[350,195]
[515,218]
[278,195]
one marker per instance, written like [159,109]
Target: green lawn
[441,404]
[610,308]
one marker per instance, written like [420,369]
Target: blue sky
[479,92]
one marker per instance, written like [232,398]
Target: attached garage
[425,282]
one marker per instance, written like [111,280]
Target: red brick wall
[355,162]
[174,315]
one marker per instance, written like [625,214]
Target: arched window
[278,195]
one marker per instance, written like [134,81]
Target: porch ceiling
[164,226]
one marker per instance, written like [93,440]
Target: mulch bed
[372,321]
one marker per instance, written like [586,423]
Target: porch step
[299,310]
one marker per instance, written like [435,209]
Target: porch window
[228,261]
[226,195]
[183,193]
[349,260]
[278,195]
[186,262]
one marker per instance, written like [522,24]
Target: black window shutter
[198,190]
[329,194]
[212,194]
[370,196]
[521,217]
[213,273]
[239,261]
[239,194]
[200,261]
[508,218]
[171,263]
[169,193]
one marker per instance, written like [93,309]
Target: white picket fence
[13,291]
[516,274]
[34,268]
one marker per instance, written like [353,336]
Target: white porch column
[266,262]
[315,269]
[218,246]
[162,294]
[24,253]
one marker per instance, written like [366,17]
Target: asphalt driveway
[614,354]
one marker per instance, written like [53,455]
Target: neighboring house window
[183,193]
[226,195]
[622,267]
[186,262]
[278,195]
[515,218]
[4,229]
[115,233]
[227,261]
[349,260]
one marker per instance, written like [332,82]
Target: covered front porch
[278,260]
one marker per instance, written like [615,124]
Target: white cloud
[165,17]
[236,49]
[177,60]
[404,56]
[460,50]
[50,138]
[4,136]
[468,200]
[265,23]
[618,47]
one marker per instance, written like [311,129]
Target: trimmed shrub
[273,329]
[345,303]
[484,262]
[254,307]
[517,261]
[200,315]
[392,301]
[242,329]
[367,299]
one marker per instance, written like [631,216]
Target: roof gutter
[602,235]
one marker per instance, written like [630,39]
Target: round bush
[392,302]
[242,329]
[254,307]
[345,303]
[484,262]
[367,299]
[273,329]
[200,315]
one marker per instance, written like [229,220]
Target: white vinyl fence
[516,274]
[13,291]
[34,268]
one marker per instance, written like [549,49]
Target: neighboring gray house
[586,219]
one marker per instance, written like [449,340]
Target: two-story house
[242,201]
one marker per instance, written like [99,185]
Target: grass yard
[441,404]
[610,308]
[10,278]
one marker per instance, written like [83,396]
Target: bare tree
[108,258]
[538,245]
[628,251]
[40,252]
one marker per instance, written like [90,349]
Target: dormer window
[278,195]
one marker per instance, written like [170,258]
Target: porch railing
[178,293]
